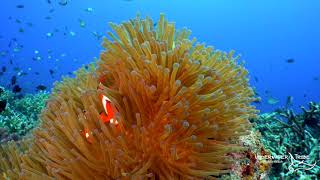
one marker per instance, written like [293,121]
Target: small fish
[272,101]
[108,115]
[20,6]
[37,58]
[13,80]
[16,89]
[41,88]
[4,69]
[291,60]
[51,10]
[11,62]
[22,73]
[72,33]
[21,30]
[36,73]
[36,52]
[29,24]
[16,69]
[18,21]
[82,23]
[17,49]
[97,35]
[316,78]
[256,79]
[49,1]
[89,9]
[3,104]
[48,17]
[51,72]
[49,35]
[63,2]
[289,101]
[3,53]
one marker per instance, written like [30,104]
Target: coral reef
[180,109]
[20,115]
[247,164]
[295,138]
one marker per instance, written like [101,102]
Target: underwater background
[42,41]
[278,40]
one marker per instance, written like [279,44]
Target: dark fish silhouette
[41,88]
[16,69]
[29,24]
[3,104]
[4,69]
[291,60]
[13,80]
[63,2]
[51,72]
[16,89]
[20,6]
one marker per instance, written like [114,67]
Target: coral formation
[246,164]
[180,108]
[20,114]
[284,133]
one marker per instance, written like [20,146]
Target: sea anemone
[180,108]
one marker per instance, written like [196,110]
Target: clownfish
[108,115]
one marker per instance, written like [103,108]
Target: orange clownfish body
[108,115]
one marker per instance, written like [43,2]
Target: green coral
[285,133]
[21,114]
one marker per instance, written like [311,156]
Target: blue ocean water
[278,40]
